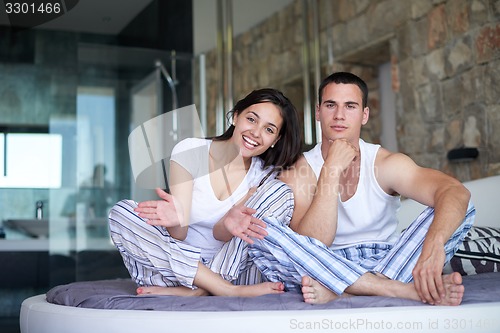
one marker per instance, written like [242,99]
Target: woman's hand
[240,222]
[167,212]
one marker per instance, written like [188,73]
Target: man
[346,195]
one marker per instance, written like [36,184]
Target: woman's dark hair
[288,148]
[344,78]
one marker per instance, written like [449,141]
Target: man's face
[341,112]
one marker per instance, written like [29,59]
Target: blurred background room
[73,88]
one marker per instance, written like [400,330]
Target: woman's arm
[173,211]
[181,187]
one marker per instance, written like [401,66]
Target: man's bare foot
[454,289]
[377,285]
[315,293]
[171,291]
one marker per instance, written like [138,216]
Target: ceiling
[111,16]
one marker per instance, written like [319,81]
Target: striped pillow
[479,252]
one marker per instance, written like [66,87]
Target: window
[95,131]
[30,160]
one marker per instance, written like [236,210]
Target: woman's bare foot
[315,293]
[171,291]
[258,289]
[233,290]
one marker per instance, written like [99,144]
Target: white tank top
[369,216]
[206,209]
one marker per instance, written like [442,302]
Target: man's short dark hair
[344,78]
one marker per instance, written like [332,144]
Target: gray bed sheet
[120,294]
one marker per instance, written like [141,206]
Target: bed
[112,306]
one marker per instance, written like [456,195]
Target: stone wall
[445,57]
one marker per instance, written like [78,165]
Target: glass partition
[117,89]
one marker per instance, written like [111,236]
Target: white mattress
[38,316]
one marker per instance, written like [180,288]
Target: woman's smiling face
[257,128]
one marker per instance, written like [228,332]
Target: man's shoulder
[386,156]
[384,153]
[300,162]
[391,168]
[300,171]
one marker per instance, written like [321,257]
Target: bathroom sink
[40,228]
[31,227]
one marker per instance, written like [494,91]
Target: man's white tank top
[369,216]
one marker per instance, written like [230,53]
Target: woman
[210,179]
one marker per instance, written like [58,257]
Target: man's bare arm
[316,207]
[398,173]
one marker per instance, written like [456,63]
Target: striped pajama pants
[283,255]
[154,258]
